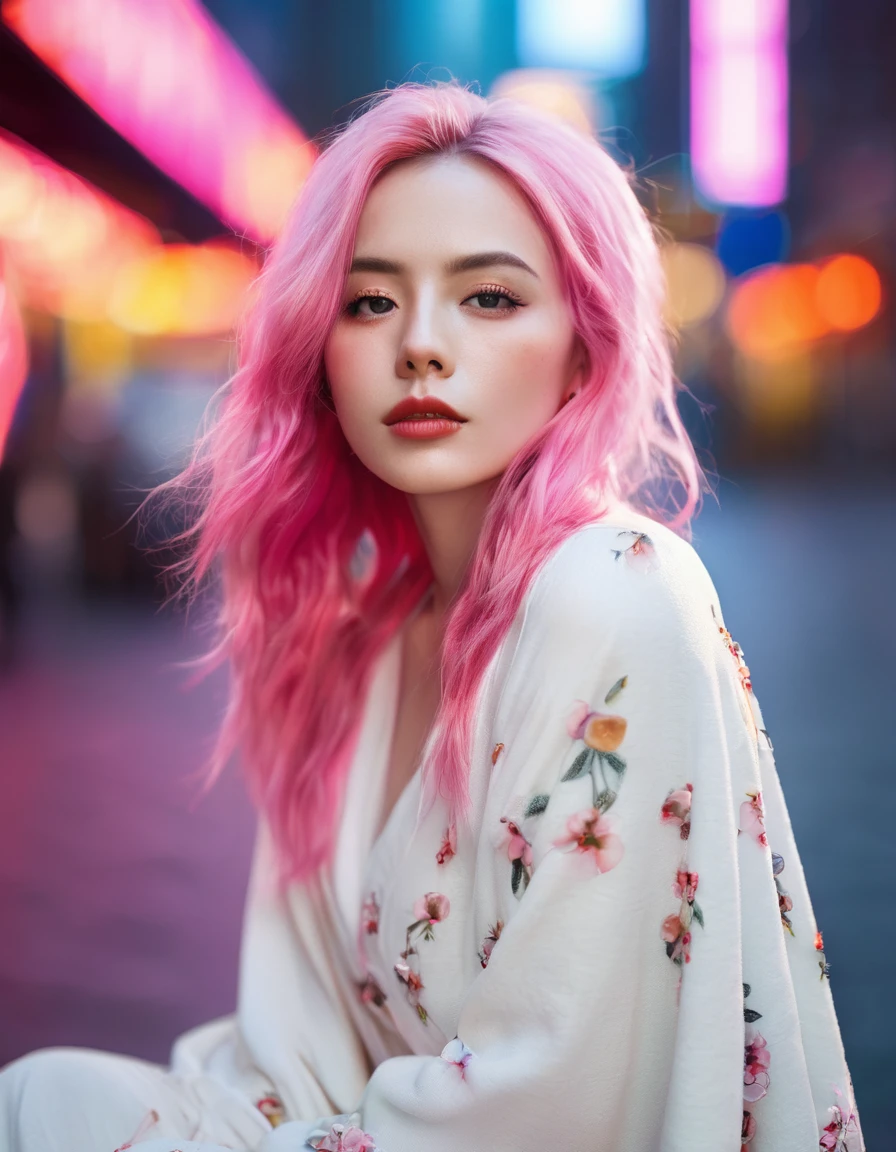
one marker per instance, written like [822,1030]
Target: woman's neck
[450,524]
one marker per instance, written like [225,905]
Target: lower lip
[428,429]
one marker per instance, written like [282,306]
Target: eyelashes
[514,302]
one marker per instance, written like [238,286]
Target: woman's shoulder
[625,568]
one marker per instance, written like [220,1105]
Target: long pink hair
[319,561]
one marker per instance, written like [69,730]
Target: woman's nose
[425,346]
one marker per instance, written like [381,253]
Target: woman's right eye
[354,307]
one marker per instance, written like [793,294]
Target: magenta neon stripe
[739,100]
[169,81]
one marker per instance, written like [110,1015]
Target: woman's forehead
[445,208]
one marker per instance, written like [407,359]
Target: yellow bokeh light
[181,289]
[695,283]
[552,91]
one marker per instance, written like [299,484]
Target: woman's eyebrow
[452,268]
[488,260]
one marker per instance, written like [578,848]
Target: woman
[525,878]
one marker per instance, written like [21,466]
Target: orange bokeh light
[774,312]
[848,292]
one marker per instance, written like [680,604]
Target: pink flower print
[676,929]
[456,1052]
[575,721]
[676,809]
[591,833]
[518,847]
[494,935]
[271,1107]
[432,907]
[677,938]
[842,1132]
[685,885]
[637,548]
[752,818]
[346,1138]
[756,1061]
[411,980]
[449,845]
[371,993]
[428,910]
[519,852]
[785,904]
[747,1131]
[370,915]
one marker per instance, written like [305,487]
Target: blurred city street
[149,157]
[121,889]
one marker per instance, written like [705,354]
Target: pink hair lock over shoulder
[319,560]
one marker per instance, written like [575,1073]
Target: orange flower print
[822,963]
[602,733]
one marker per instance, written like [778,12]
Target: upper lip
[412,406]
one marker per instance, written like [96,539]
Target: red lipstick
[423,419]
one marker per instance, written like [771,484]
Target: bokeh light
[739,100]
[64,238]
[607,37]
[555,92]
[13,360]
[773,313]
[166,77]
[848,292]
[182,289]
[695,283]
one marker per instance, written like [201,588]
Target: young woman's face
[453,296]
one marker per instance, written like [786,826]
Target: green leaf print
[580,765]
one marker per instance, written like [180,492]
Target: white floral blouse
[620,955]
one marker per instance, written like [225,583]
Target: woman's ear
[578,372]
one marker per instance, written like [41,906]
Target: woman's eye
[488,301]
[374,302]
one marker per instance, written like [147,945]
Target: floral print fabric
[616,952]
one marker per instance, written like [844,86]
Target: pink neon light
[13,360]
[739,98]
[169,81]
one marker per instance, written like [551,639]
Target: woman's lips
[425,427]
[423,418]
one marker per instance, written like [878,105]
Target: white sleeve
[643,989]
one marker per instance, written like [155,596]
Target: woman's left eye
[488,301]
